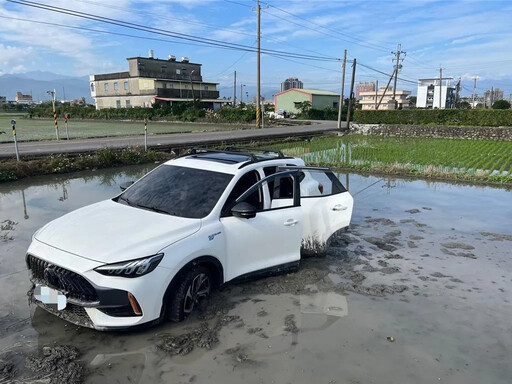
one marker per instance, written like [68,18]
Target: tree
[412,101]
[463,105]
[501,104]
[304,107]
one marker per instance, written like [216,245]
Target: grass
[476,160]
[43,129]
[11,170]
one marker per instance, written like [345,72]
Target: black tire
[195,284]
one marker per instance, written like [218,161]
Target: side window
[318,183]
[281,192]
[243,184]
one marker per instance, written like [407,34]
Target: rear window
[177,191]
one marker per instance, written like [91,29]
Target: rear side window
[318,183]
[177,191]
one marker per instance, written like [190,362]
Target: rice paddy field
[43,129]
[442,157]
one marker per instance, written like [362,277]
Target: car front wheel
[195,285]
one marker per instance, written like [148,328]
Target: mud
[496,236]
[429,309]
[290,325]
[453,245]
[58,364]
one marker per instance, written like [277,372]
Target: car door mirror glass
[125,185]
[244,210]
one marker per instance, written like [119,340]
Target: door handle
[339,207]
[291,222]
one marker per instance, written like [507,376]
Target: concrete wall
[133,101]
[324,101]
[287,101]
[486,133]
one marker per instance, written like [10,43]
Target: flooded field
[473,157]
[418,290]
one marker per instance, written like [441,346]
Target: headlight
[131,268]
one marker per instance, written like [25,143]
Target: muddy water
[417,291]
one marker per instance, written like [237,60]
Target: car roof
[229,161]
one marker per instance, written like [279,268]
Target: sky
[466,38]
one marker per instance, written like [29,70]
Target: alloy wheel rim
[198,289]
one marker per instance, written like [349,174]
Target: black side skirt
[266,272]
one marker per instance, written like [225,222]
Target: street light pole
[242,93]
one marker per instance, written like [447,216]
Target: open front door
[270,240]
[326,207]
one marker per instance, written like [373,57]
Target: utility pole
[492,97]
[376,92]
[457,92]
[351,96]
[63,94]
[475,78]
[258,90]
[386,89]
[397,67]
[234,90]
[53,94]
[342,101]
[440,86]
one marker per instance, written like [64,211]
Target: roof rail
[265,151]
[198,150]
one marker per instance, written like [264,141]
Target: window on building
[186,86]
[178,71]
[106,86]
[128,104]
[205,87]
[164,85]
[125,85]
[116,86]
[164,68]
[92,87]
[118,103]
[171,85]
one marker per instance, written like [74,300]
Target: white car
[188,226]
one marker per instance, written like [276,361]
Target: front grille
[70,283]
[72,313]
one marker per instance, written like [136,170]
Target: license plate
[50,296]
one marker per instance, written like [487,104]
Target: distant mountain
[266,92]
[38,82]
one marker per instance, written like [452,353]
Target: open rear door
[326,207]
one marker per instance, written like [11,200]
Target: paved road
[164,141]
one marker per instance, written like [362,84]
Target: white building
[432,93]
[370,99]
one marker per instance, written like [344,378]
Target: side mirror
[244,210]
[125,185]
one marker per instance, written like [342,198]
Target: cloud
[12,58]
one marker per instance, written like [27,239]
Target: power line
[363,42]
[181,36]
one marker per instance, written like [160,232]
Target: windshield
[177,191]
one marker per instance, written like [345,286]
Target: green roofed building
[289,100]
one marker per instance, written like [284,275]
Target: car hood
[110,232]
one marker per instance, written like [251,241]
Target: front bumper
[94,300]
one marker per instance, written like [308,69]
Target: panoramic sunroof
[228,158]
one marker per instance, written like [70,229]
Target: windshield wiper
[126,200]
[150,208]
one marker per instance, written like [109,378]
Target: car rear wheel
[195,285]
